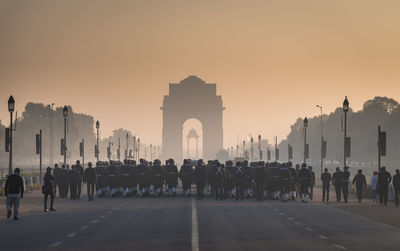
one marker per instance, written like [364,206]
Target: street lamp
[11,107]
[65,114]
[322,140]
[97,148]
[305,124]
[345,110]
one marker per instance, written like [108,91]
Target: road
[190,224]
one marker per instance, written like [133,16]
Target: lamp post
[251,149]
[345,110]
[305,124]
[97,145]
[322,140]
[65,114]
[11,107]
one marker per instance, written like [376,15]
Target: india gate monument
[192,98]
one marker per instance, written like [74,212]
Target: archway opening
[192,139]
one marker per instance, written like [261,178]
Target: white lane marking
[94,221]
[195,227]
[83,227]
[339,247]
[56,244]
[323,237]
[289,218]
[308,229]
[102,216]
[282,214]
[71,235]
[298,223]
[276,210]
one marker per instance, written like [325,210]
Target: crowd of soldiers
[280,181]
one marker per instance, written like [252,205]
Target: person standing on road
[373,184]
[345,184]
[14,190]
[396,185]
[79,169]
[90,179]
[305,182]
[326,182]
[199,176]
[384,179]
[361,183]
[48,189]
[56,174]
[337,182]
[312,184]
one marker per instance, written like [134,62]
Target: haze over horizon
[272,61]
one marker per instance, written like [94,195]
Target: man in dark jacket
[326,182]
[384,179]
[345,183]
[337,182]
[79,169]
[240,179]
[305,182]
[14,190]
[199,176]
[361,183]
[90,179]
[171,177]
[260,176]
[396,185]
[48,189]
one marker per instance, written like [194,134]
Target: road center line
[323,237]
[71,235]
[308,229]
[102,216]
[282,214]
[56,244]
[83,227]
[94,221]
[298,223]
[289,218]
[195,227]
[339,246]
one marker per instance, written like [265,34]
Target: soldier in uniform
[199,176]
[80,170]
[361,183]
[293,181]
[297,180]
[249,179]
[210,177]
[259,177]
[64,182]
[125,177]
[90,180]
[345,183]
[48,189]
[396,185]
[171,177]
[219,173]
[305,182]
[113,178]
[285,182]
[326,182]
[337,182]
[229,179]
[73,183]
[56,174]
[186,176]
[157,177]
[275,181]
[142,176]
[240,179]
[312,175]
[384,179]
[101,179]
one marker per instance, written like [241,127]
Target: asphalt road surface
[190,224]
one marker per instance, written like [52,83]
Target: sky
[272,61]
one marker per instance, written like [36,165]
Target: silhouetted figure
[240,179]
[337,182]
[186,176]
[361,184]
[326,182]
[90,179]
[312,184]
[373,184]
[48,189]
[56,174]
[305,182]
[384,179]
[199,176]
[157,177]
[345,184]
[259,177]
[171,177]
[285,182]
[396,185]
[219,173]
[14,190]
[80,170]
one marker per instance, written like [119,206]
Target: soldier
[210,177]
[361,183]
[142,176]
[157,177]
[276,181]
[101,179]
[48,189]
[125,177]
[73,182]
[64,181]
[305,182]
[396,185]
[259,177]
[229,179]
[297,180]
[186,176]
[219,173]
[240,179]
[199,176]
[249,179]
[90,179]
[345,183]
[80,170]
[384,179]
[171,177]
[326,182]
[285,182]
[269,189]
[312,175]
[337,182]
[56,174]
[293,181]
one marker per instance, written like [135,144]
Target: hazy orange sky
[273,61]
